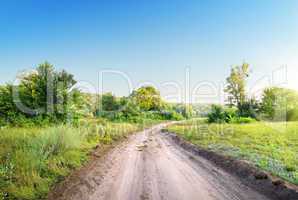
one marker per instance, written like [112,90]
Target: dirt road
[150,166]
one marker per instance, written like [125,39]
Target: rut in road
[150,166]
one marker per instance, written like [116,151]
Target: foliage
[123,109]
[292,114]
[144,103]
[129,109]
[164,115]
[183,109]
[280,104]
[230,113]
[148,98]
[236,84]
[109,102]
[43,94]
[216,114]
[219,114]
[249,109]
[270,146]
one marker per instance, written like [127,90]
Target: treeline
[46,96]
[143,103]
[275,104]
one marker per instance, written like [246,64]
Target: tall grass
[270,146]
[33,159]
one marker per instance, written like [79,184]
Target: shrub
[170,115]
[220,114]
[230,113]
[217,114]
[249,108]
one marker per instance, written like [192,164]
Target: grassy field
[270,146]
[33,159]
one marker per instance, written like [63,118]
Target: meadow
[34,159]
[270,146]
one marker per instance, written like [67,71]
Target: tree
[268,102]
[44,92]
[280,104]
[236,83]
[148,98]
[48,91]
[8,109]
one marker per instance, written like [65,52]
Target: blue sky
[152,40]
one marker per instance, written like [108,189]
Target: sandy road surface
[150,166]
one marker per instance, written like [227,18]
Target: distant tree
[236,84]
[148,98]
[185,110]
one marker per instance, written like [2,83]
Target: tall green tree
[236,84]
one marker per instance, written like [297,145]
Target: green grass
[270,146]
[33,159]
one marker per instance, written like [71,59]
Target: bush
[230,113]
[217,114]
[170,115]
[248,109]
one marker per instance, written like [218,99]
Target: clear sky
[152,40]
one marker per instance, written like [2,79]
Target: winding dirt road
[151,166]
